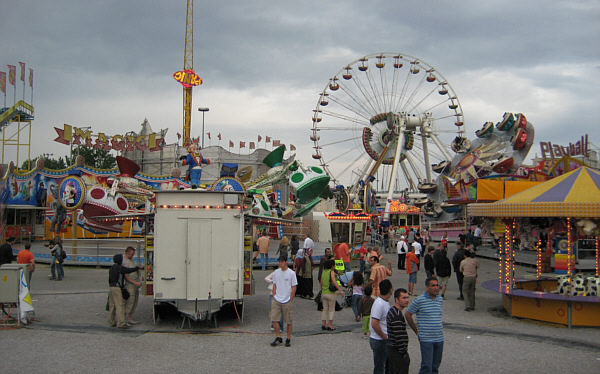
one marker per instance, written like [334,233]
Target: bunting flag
[22,71]
[208,134]
[276,143]
[292,147]
[30,77]
[242,144]
[3,81]
[219,136]
[230,144]
[259,138]
[268,140]
[12,72]
[252,145]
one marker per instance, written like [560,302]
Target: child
[364,309]
[357,282]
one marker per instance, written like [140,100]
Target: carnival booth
[564,213]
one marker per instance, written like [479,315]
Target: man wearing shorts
[284,289]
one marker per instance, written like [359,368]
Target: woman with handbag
[329,286]
[117,293]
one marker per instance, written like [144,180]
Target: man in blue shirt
[428,309]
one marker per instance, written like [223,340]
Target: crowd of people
[385,313]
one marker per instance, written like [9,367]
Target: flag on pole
[25,304]
[30,77]
[219,136]
[292,147]
[3,81]
[276,143]
[268,140]
[242,144]
[22,71]
[252,145]
[12,72]
[208,134]
[230,144]
[259,138]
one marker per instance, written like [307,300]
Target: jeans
[355,301]
[264,259]
[362,266]
[386,242]
[379,348]
[347,267]
[431,356]
[57,269]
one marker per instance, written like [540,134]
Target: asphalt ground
[73,336]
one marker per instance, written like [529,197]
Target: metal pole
[203,110]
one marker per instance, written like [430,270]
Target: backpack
[63,255]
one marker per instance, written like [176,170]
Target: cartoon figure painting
[194,160]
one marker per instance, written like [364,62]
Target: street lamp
[203,110]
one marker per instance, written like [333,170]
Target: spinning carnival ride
[381,122]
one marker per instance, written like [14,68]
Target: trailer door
[199,262]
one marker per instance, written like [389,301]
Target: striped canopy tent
[575,194]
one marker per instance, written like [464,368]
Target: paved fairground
[72,335]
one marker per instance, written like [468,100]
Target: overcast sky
[109,64]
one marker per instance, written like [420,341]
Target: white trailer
[198,259]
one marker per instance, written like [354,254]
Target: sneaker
[124,326]
[132,322]
[276,342]
[272,329]
[288,343]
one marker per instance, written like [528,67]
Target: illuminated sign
[76,136]
[557,151]
[187,78]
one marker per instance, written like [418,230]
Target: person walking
[298,270]
[459,255]
[428,309]
[443,269]
[402,249]
[327,295]
[116,303]
[378,273]
[133,283]
[307,277]
[342,252]
[357,283]
[457,258]
[284,289]
[429,264]
[282,250]
[322,262]
[378,329]
[397,343]
[26,257]
[263,244]
[269,280]
[364,309]
[412,267]
[362,253]
[6,251]
[295,245]
[56,268]
[477,238]
[469,267]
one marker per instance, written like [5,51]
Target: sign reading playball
[308,185]
[71,192]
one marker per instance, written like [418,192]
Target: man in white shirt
[284,289]
[378,326]
[477,235]
[308,243]
[402,248]
[417,246]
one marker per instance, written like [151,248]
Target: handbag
[332,286]
[124,291]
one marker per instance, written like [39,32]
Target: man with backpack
[459,255]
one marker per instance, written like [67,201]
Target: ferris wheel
[384,120]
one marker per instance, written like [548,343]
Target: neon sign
[76,136]
[187,78]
